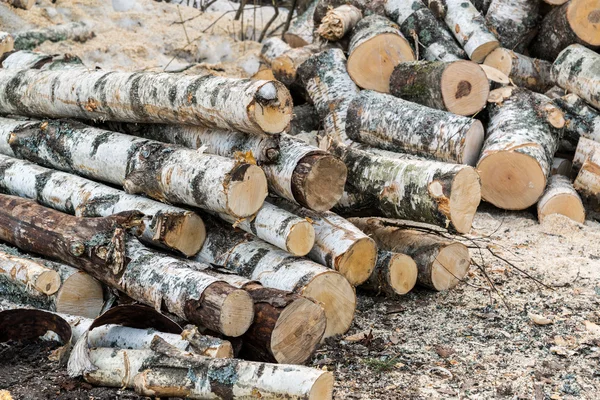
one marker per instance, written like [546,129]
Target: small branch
[288,21]
[240,11]
[264,32]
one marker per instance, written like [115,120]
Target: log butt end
[322,186]
[357,264]
[465,88]
[338,299]
[403,273]
[465,197]
[48,282]
[481,52]
[322,389]
[186,234]
[371,64]
[500,59]
[272,107]
[248,190]
[450,266]
[473,142]
[511,180]
[566,204]
[80,294]
[298,332]
[301,239]
[584,20]
[237,313]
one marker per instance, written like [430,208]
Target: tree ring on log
[323,186]
[584,20]
[301,239]
[272,107]
[450,266]
[465,88]
[403,273]
[80,294]
[247,190]
[235,318]
[322,388]
[352,264]
[464,199]
[186,234]
[564,204]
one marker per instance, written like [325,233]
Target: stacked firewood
[252,208]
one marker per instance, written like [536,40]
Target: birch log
[577,70]
[513,22]
[339,245]
[77,31]
[305,119]
[167,226]
[272,48]
[523,135]
[561,198]
[397,125]
[7,43]
[582,120]
[394,274]
[460,87]
[577,21]
[285,67]
[306,175]
[277,269]
[29,273]
[330,88]
[338,22]
[24,59]
[236,104]
[561,166]
[530,73]
[376,47]
[161,171]
[426,191]
[442,264]
[280,228]
[262,148]
[588,178]
[301,32]
[469,29]
[436,43]
[585,148]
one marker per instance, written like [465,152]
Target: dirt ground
[535,336]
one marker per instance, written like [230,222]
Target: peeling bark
[76,31]
[561,198]
[577,70]
[513,22]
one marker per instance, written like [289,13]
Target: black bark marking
[134,96]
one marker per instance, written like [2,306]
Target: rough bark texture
[285,67]
[518,126]
[272,48]
[339,21]
[305,119]
[236,104]
[231,144]
[382,279]
[7,42]
[162,171]
[330,88]
[84,198]
[77,31]
[397,125]
[531,73]
[577,70]
[560,197]
[513,22]
[301,32]
[469,29]
[410,189]
[367,7]
[556,31]
[435,41]
[24,59]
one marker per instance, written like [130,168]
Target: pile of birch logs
[253,208]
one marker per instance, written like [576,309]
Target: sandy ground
[471,342]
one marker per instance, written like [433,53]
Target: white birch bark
[527,72]
[7,42]
[513,22]
[588,179]
[560,198]
[84,198]
[24,59]
[469,29]
[338,22]
[164,172]
[285,67]
[398,125]
[585,148]
[77,31]
[577,70]
[272,48]
[29,273]
[251,106]
[301,31]
[582,119]
[279,227]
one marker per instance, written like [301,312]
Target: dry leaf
[539,319]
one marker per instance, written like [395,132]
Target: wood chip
[539,319]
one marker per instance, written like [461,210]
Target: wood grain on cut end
[338,299]
[473,143]
[501,60]
[450,266]
[464,199]
[298,331]
[247,190]
[80,294]
[48,282]
[301,239]
[322,185]
[322,389]
[565,204]
[236,313]
[186,234]
[357,263]
[465,88]
[584,20]
[403,273]
[482,51]
[272,107]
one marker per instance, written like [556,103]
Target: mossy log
[338,22]
[435,41]
[376,47]
[441,263]
[577,21]
[167,226]
[530,73]
[301,31]
[246,105]
[162,171]
[523,135]
[394,124]
[513,22]
[394,274]
[24,59]
[77,31]
[577,70]
[561,198]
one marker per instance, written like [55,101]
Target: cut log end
[48,282]
[298,331]
[482,51]
[357,264]
[584,20]
[403,273]
[236,313]
[301,239]
[322,389]
[370,65]
[273,107]
[511,180]
[473,142]
[248,190]
[80,294]
[464,199]
[338,299]
[323,186]
[187,234]
[500,59]
[465,88]
[450,267]
[564,204]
